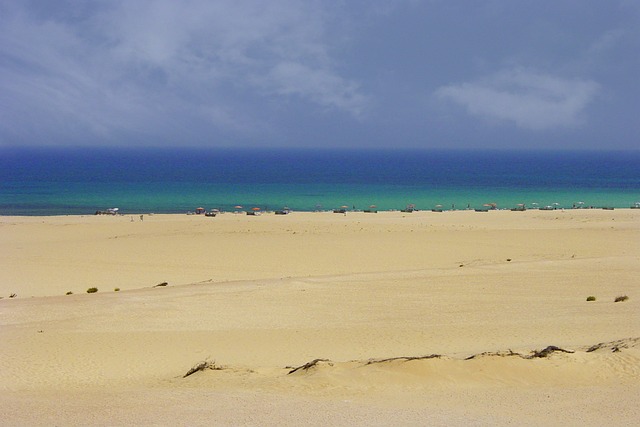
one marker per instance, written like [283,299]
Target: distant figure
[141,217]
[131,219]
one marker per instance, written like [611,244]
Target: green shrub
[116,290]
[621,298]
[591,298]
[92,290]
[69,293]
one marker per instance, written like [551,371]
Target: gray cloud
[324,88]
[137,66]
[530,100]
[316,73]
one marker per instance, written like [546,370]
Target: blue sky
[429,74]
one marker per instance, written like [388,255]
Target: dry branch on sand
[308,365]
[494,353]
[615,346]
[546,352]
[205,364]
[405,358]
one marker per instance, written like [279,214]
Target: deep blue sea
[61,181]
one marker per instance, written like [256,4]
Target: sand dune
[261,296]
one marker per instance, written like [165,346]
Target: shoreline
[379,211]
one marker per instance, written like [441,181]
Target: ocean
[72,181]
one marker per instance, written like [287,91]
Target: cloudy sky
[539,74]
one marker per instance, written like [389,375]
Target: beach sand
[474,293]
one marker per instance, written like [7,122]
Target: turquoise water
[81,181]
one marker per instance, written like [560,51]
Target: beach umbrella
[438,206]
[255,209]
[373,206]
[344,207]
[238,207]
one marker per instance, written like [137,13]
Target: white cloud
[607,41]
[326,89]
[530,100]
[138,66]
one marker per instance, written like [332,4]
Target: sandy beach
[419,318]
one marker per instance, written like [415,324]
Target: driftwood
[205,364]
[547,352]
[615,346]
[405,358]
[308,365]
[494,353]
[536,354]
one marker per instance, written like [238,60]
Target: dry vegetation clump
[205,364]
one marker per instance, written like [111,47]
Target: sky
[432,74]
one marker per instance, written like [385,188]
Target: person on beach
[141,217]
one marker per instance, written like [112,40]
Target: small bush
[116,290]
[69,293]
[591,298]
[92,290]
[621,298]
